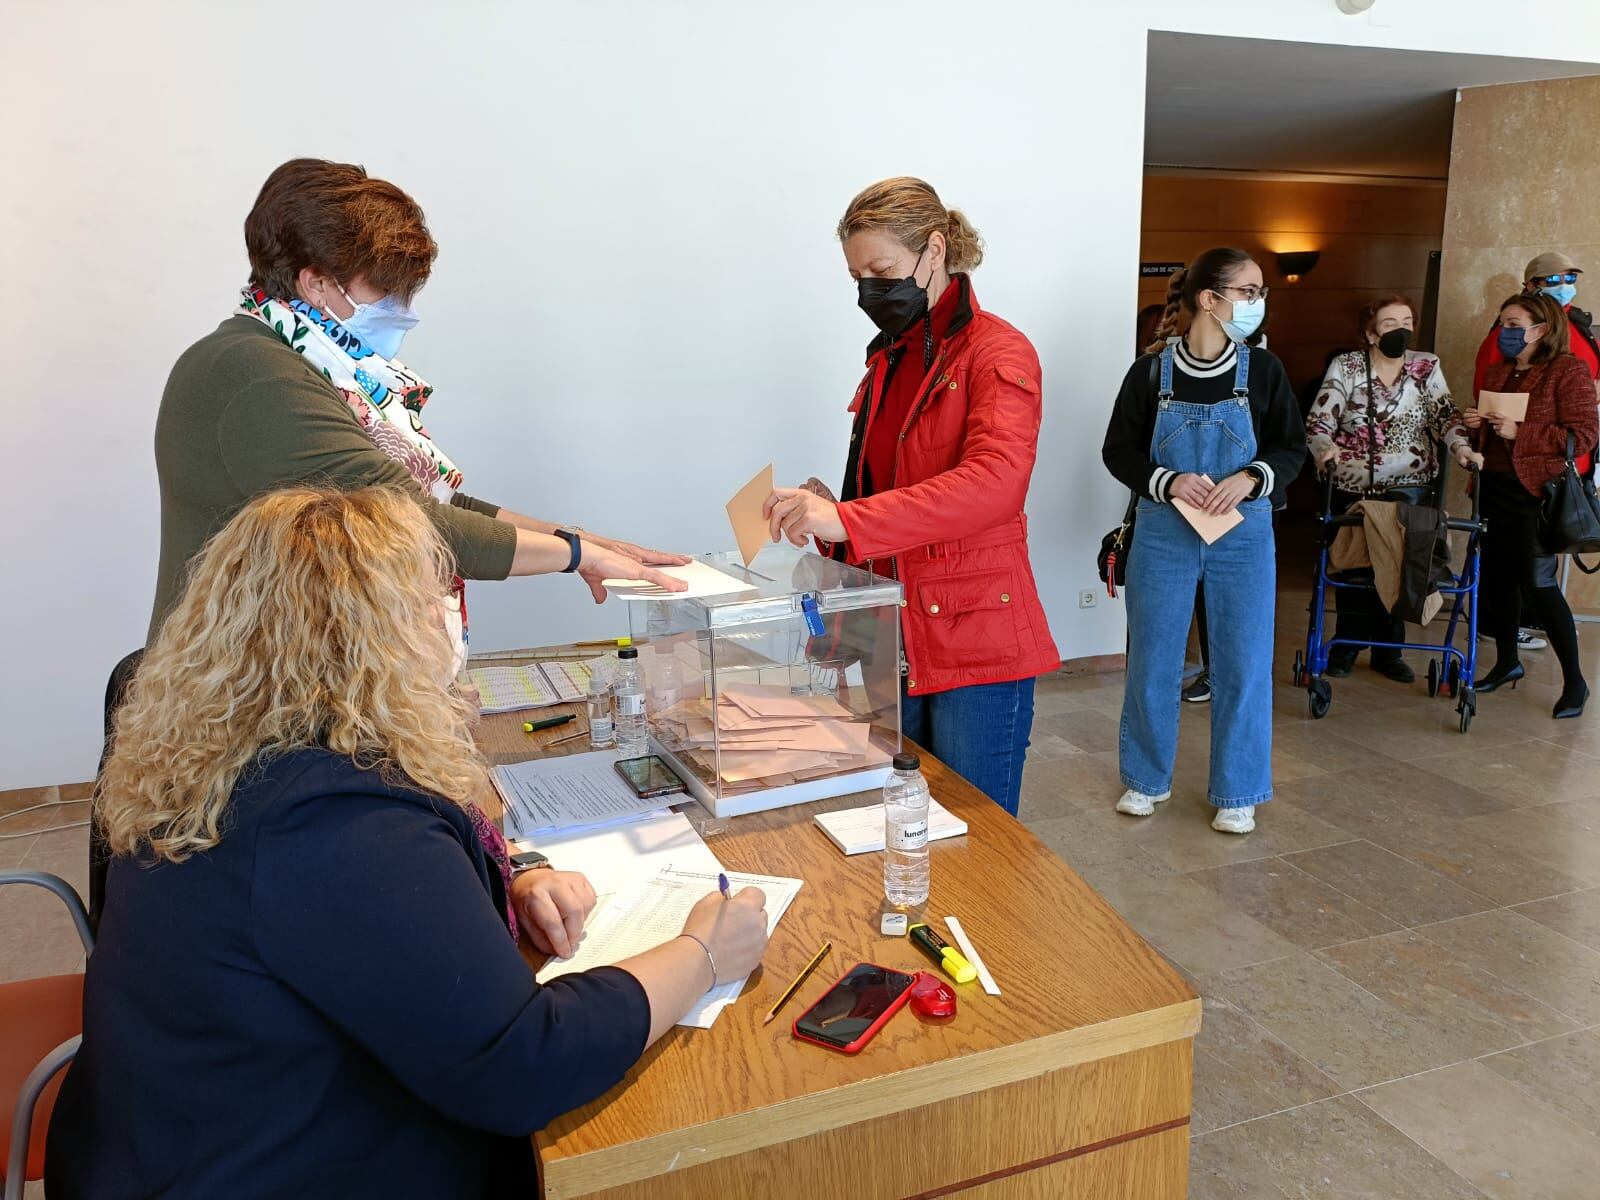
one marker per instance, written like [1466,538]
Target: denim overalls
[1166,561]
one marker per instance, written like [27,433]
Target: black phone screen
[851,1006]
[649,776]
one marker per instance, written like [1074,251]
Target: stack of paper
[768,736]
[703,580]
[650,911]
[569,792]
[860,830]
[537,685]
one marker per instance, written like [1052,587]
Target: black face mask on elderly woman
[894,304]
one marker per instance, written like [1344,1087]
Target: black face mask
[1395,343]
[893,304]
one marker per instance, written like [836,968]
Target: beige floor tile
[1058,787]
[1349,1034]
[64,853]
[1333,1150]
[1291,903]
[1563,1072]
[1523,773]
[1508,1144]
[1086,730]
[1387,883]
[1576,914]
[1480,1012]
[1481,859]
[37,936]
[1565,836]
[1180,832]
[1358,796]
[1531,958]
[1187,923]
[1425,730]
[1242,1072]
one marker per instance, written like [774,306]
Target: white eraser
[893,924]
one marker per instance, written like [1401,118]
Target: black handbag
[1569,514]
[1113,557]
[1112,560]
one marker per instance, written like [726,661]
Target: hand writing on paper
[797,514]
[601,562]
[1191,489]
[1225,497]
[552,907]
[735,931]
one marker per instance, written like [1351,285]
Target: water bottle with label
[627,694]
[905,834]
[599,704]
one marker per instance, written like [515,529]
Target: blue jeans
[1239,570]
[979,732]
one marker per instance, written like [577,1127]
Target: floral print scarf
[384,394]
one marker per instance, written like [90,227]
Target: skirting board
[1095,664]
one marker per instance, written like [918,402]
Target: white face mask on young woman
[1246,319]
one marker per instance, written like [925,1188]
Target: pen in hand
[722,886]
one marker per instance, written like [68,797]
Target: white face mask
[382,325]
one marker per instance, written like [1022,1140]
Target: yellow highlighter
[944,955]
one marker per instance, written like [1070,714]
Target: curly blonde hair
[312,619]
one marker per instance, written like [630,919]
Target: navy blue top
[327,1003]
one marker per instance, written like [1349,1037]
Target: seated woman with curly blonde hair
[307,982]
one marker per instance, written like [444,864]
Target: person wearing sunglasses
[1204,423]
[1555,275]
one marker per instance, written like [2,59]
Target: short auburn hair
[1546,311]
[1371,309]
[338,219]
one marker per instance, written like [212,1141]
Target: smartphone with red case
[851,1012]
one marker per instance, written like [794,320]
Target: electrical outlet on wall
[1088,598]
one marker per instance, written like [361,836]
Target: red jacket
[1579,343]
[951,528]
[1560,401]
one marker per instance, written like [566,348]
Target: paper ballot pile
[769,736]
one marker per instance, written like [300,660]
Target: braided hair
[1208,271]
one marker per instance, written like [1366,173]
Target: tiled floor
[1401,965]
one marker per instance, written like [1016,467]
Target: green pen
[547,723]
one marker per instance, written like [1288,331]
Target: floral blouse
[1407,422]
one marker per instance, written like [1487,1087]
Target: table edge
[866,1099]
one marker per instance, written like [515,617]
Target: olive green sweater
[243,414]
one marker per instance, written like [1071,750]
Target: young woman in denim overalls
[1208,421]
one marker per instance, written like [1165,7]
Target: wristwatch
[569,534]
[529,860]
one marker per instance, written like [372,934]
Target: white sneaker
[1137,804]
[1527,639]
[1235,820]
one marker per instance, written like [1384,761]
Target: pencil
[799,979]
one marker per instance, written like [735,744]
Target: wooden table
[1075,1082]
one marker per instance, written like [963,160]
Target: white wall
[638,302]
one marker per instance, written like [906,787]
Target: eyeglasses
[1251,292]
[1556,280]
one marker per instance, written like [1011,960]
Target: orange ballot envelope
[1209,527]
[750,529]
[1513,404]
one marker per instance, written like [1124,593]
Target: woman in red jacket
[941,451]
[1520,457]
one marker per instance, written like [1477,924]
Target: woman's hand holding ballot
[800,513]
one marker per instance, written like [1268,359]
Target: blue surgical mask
[1563,294]
[1512,340]
[381,325]
[1246,319]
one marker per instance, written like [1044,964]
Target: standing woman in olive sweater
[301,384]
[1208,420]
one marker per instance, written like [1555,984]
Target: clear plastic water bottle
[627,695]
[599,701]
[905,834]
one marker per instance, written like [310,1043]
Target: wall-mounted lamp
[1297,263]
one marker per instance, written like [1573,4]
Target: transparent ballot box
[783,691]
